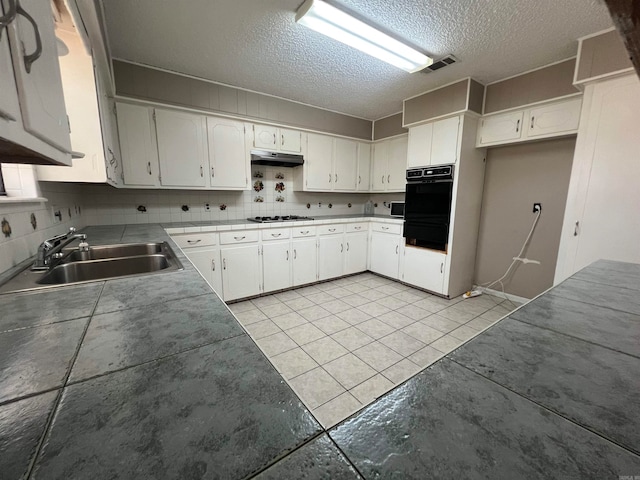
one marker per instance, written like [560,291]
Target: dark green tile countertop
[152,377]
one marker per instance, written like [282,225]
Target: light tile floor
[343,343]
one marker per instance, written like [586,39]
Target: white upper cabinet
[318,162]
[137,145]
[35,64]
[389,165]
[503,128]
[277,139]
[182,148]
[379,165]
[229,164]
[419,148]
[434,143]
[364,167]
[345,165]
[444,146]
[543,121]
[397,166]
[555,119]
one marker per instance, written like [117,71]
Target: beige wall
[438,102]
[517,176]
[150,84]
[388,127]
[602,54]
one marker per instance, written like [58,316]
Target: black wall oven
[427,209]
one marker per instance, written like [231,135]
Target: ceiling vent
[438,64]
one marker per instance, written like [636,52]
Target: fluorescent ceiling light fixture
[334,23]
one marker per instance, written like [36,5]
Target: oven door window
[428,202]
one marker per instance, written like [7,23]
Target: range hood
[274,159]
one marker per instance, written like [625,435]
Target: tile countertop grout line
[56,403]
[553,293]
[548,409]
[346,456]
[29,327]
[565,334]
[285,455]
[160,302]
[157,359]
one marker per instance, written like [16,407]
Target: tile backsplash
[32,223]
[105,205]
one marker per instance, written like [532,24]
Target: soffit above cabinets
[257,45]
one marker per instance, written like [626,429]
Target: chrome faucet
[50,249]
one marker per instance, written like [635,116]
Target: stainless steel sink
[99,263]
[86,271]
[114,251]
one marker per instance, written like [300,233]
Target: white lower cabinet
[356,251]
[331,255]
[385,253]
[276,265]
[207,261]
[240,271]
[305,260]
[424,268]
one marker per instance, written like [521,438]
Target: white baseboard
[498,293]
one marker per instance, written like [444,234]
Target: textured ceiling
[256,44]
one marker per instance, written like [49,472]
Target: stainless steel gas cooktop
[284,218]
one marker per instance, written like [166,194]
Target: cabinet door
[317,164]
[396,176]
[500,128]
[364,167]
[424,268]
[557,119]
[444,148]
[9,105]
[330,256]
[276,266]
[39,84]
[265,136]
[228,160]
[137,144]
[182,148]
[380,161]
[419,147]
[384,254]
[356,252]
[207,262]
[290,141]
[240,272]
[345,165]
[305,261]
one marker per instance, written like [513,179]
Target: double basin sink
[99,263]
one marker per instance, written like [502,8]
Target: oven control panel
[427,174]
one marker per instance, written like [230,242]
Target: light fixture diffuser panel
[336,24]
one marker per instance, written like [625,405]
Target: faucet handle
[72,229]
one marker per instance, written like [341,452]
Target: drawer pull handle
[282,140]
[441,267]
[332,229]
[149,167]
[341,247]
[287,255]
[385,228]
[357,228]
[239,238]
[532,121]
[518,126]
[224,263]
[359,179]
[329,178]
[213,265]
[276,234]
[295,254]
[31,58]
[397,247]
[11,14]
[194,241]
[213,172]
[304,232]
[382,178]
[347,246]
[388,178]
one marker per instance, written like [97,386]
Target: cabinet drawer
[276,234]
[195,240]
[240,236]
[330,229]
[356,227]
[386,228]
[303,232]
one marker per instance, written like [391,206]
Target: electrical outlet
[537,207]
[207,207]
